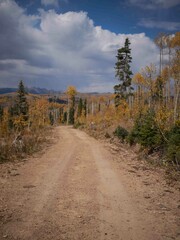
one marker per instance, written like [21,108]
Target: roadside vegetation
[145,107]
[25,122]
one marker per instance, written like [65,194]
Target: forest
[144,109]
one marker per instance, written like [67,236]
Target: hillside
[32,90]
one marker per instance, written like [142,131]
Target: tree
[80,107]
[71,93]
[159,85]
[123,73]
[149,75]
[21,102]
[175,73]
[85,109]
[160,41]
[166,70]
[18,114]
[139,82]
[165,75]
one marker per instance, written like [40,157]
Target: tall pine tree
[21,102]
[123,73]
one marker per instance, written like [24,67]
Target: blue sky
[119,16]
[56,43]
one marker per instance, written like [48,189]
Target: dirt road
[80,189]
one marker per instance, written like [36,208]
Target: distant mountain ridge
[32,90]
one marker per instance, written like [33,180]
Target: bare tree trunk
[92,108]
[87,110]
[68,113]
[160,62]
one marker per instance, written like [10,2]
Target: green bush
[146,133]
[133,136]
[121,133]
[173,146]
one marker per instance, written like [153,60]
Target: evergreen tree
[21,102]
[80,107]
[85,107]
[71,115]
[18,113]
[123,73]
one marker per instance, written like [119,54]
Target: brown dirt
[80,189]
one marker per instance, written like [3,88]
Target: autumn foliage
[24,122]
[144,110]
[150,115]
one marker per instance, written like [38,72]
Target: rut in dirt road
[71,192]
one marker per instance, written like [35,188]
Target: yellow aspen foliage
[38,110]
[19,122]
[165,74]
[139,82]
[109,114]
[162,118]
[138,79]
[71,91]
[175,42]
[175,69]
[149,74]
[4,124]
[123,110]
[175,73]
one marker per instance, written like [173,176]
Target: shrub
[173,146]
[133,136]
[17,148]
[146,132]
[121,133]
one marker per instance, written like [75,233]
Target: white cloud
[171,26]
[55,50]
[154,4]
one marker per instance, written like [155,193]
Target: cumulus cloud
[149,23]
[55,50]
[154,4]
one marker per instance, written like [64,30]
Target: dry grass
[16,148]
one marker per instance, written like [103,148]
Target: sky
[56,43]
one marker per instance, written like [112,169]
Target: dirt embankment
[80,188]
